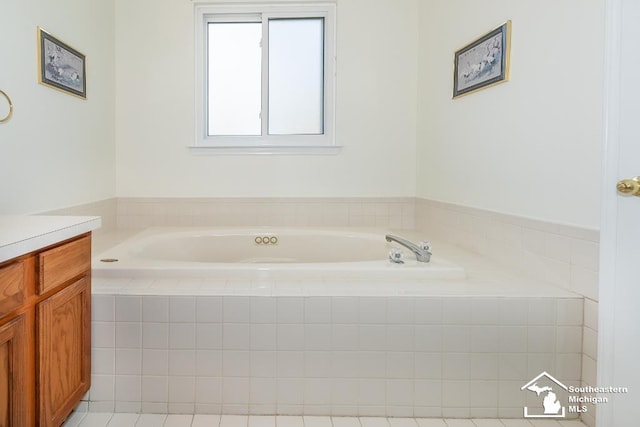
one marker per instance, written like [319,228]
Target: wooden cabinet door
[64,351]
[13,373]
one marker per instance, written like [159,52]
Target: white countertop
[21,234]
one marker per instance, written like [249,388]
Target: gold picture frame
[60,66]
[484,62]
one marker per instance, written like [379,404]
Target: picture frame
[60,66]
[484,62]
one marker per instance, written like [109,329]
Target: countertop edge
[75,226]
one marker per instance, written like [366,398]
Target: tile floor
[95,419]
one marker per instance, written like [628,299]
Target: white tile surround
[563,255]
[370,356]
[107,209]
[395,213]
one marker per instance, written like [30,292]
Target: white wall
[530,146]
[376,110]
[57,150]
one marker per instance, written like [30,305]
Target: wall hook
[5,119]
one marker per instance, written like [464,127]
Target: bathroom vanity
[45,317]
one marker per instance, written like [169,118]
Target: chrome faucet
[422,249]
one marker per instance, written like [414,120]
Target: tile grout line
[302,419]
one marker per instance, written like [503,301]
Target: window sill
[316,150]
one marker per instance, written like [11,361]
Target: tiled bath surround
[107,209]
[395,213]
[564,255]
[371,356]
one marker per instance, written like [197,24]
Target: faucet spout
[421,250]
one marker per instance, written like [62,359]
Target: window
[265,78]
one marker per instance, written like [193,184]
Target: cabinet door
[64,351]
[13,373]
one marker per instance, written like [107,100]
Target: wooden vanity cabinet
[14,369]
[45,334]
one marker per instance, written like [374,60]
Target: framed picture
[483,62]
[61,66]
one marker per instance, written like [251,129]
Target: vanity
[45,317]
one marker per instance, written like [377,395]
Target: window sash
[206,14]
[225,84]
[279,113]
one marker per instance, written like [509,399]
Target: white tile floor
[94,419]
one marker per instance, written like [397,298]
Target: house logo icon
[545,387]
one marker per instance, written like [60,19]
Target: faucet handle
[396,255]
[425,245]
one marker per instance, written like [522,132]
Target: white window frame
[265,144]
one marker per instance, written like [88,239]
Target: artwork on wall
[483,62]
[61,66]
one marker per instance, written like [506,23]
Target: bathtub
[265,253]
[317,321]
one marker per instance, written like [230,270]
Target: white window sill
[268,150]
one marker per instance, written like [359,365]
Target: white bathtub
[274,329]
[243,254]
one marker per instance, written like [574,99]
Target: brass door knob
[630,187]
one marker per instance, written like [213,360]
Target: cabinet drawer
[12,287]
[63,263]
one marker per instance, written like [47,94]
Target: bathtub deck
[94,419]
[484,278]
